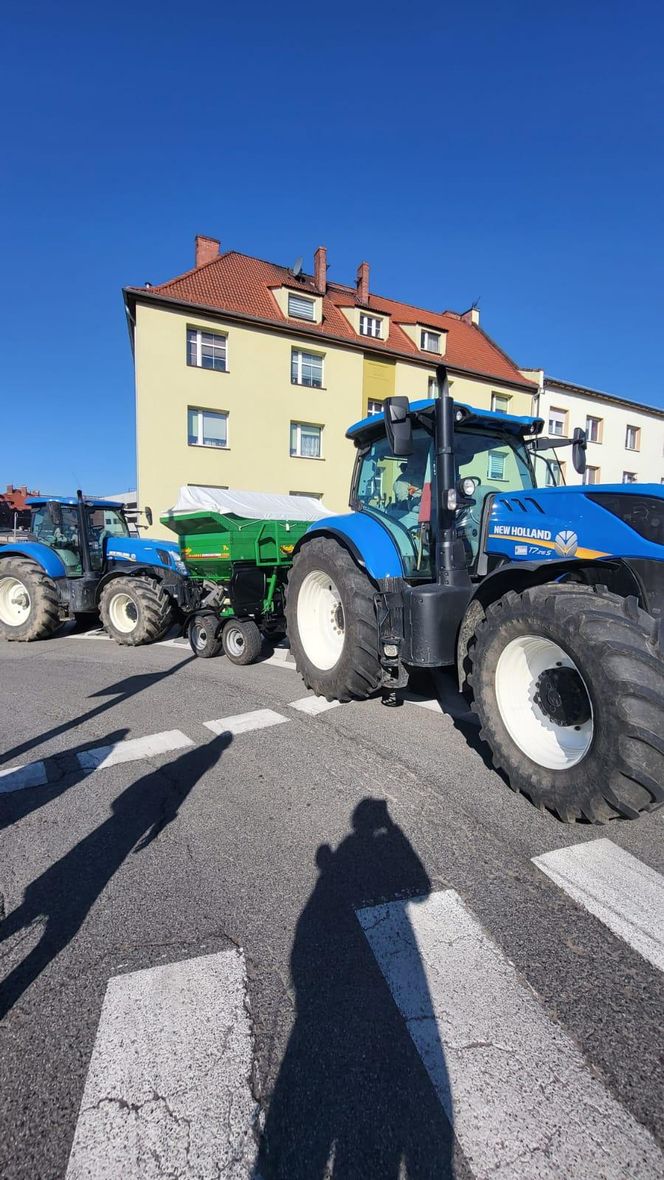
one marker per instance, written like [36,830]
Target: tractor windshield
[398,490]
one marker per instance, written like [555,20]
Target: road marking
[281,658]
[314,705]
[133,748]
[244,722]
[18,778]
[167,1091]
[625,894]
[512,1082]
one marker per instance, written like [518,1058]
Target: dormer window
[371,325]
[429,341]
[301,308]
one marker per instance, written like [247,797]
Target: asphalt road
[248,841]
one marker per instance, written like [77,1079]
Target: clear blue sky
[507,151]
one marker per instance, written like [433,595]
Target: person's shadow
[352,1099]
[61,898]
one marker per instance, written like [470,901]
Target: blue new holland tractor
[548,600]
[78,559]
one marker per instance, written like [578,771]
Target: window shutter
[300,308]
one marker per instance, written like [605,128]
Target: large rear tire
[568,683]
[135,611]
[332,624]
[28,601]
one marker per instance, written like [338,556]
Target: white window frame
[302,299]
[563,414]
[426,337]
[371,325]
[219,339]
[503,397]
[374,401]
[503,456]
[586,474]
[432,387]
[591,421]
[630,477]
[637,438]
[200,410]
[297,453]
[298,356]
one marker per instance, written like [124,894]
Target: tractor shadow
[352,1097]
[56,904]
[121,691]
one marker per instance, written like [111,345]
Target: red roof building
[248,373]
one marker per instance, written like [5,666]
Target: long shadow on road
[352,1099]
[122,691]
[61,898]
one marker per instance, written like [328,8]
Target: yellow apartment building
[249,373]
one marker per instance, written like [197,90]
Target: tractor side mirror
[54,513]
[398,426]
[579,444]
[148,515]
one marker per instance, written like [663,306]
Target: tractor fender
[365,538]
[40,554]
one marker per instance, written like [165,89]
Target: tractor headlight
[179,565]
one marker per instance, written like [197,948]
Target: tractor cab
[491,455]
[73,529]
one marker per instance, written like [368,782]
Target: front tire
[28,601]
[332,624]
[568,683]
[135,611]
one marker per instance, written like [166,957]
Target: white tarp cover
[251,505]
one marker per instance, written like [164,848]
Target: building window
[300,308]
[555,474]
[374,407]
[630,477]
[207,428]
[557,422]
[496,468]
[207,350]
[370,325]
[306,442]
[433,387]
[500,402]
[632,438]
[311,495]
[429,341]
[591,475]
[307,368]
[594,429]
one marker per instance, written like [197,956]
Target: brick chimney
[320,269]
[472,316]
[207,249]
[363,282]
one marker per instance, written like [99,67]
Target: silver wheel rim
[320,620]
[123,613]
[200,635]
[538,736]
[15,602]
[235,641]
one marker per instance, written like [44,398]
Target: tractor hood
[584,522]
[162,554]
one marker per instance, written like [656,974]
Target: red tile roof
[236,282]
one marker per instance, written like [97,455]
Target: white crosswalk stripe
[522,1100]
[17,778]
[167,1091]
[313,705]
[132,748]
[622,892]
[244,722]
